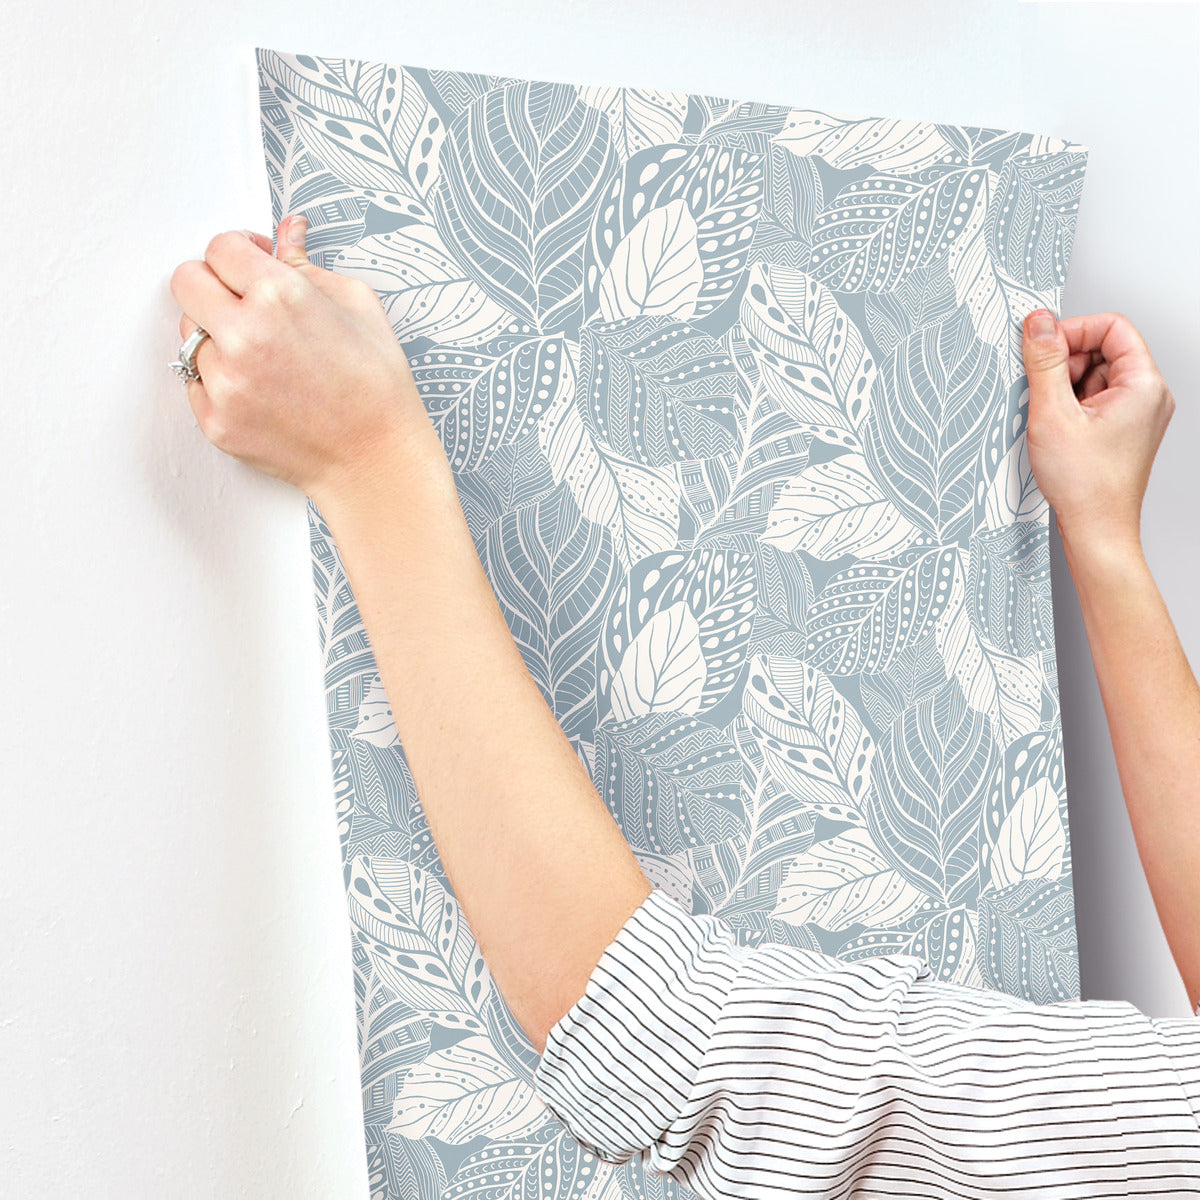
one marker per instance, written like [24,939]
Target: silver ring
[185,365]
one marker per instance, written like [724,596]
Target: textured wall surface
[176,999]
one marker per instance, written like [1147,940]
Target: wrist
[406,468]
[1092,550]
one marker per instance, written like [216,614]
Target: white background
[176,1011]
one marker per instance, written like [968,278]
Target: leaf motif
[639,505]
[423,288]
[663,669]
[943,937]
[418,945]
[1033,217]
[1029,930]
[554,575]
[1008,580]
[479,401]
[846,143]
[368,122]
[794,193]
[524,168]
[672,782]
[924,297]
[998,303]
[375,722]
[812,739]
[878,229]
[778,829]
[916,671]
[1007,490]
[342,635]
[1003,687]
[657,389]
[398,1169]
[811,355]
[868,613]
[721,189]
[749,124]
[1032,839]
[845,881]
[933,771]
[930,408]
[690,660]
[835,508]
[655,268]
[639,117]
[947,943]
[462,1092]
[771,446]
[517,1170]
[1035,756]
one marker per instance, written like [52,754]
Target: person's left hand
[302,375]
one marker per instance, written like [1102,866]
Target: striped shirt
[773,1071]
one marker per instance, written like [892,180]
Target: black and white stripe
[774,1071]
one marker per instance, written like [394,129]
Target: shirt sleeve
[774,1071]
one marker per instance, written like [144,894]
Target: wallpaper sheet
[734,397]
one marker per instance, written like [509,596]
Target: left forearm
[541,870]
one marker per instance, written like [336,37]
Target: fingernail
[1041,323]
[296,228]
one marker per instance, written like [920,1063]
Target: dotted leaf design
[416,938]
[678,633]
[869,613]
[812,741]
[811,355]
[845,881]
[463,1092]
[479,402]
[721,191]
[880,229]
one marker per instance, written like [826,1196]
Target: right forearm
[1152,703]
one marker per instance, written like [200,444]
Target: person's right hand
[1098,409]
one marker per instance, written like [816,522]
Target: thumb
[1047,359]
[290,241]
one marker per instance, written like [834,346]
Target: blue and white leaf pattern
[878,229]
[718,190]
[639,118]
[944,386]
[524,168]
[848,142]
[658,390]
[734,401]
[811,355]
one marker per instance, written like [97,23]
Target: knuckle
[217,241]
[215,429]
[363,289]
[234,343]
[276,290]
[180,276]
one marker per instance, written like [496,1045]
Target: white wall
[176,1014]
